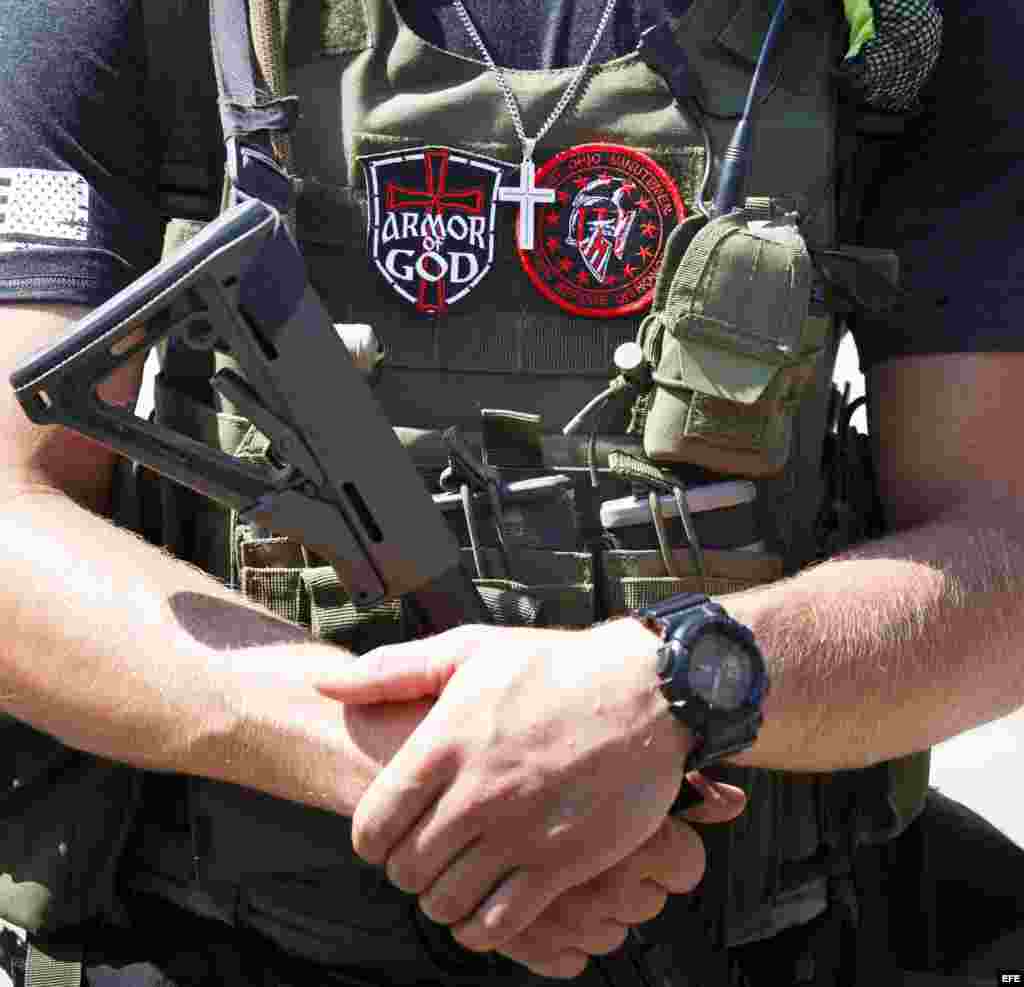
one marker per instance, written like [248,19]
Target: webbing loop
[256,123]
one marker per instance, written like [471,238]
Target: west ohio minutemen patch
[599,245]
[431,222]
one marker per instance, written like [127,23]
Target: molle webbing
[505,346]
[288,579]
[53,967]
[270,571]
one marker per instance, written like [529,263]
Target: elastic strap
[53,967]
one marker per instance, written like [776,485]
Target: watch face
[721,671]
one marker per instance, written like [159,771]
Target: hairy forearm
[117,649]
[896,645]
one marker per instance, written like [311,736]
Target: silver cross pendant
[527,195]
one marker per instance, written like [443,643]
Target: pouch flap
[724,373]
[722,42]
[743,287]
[24,903]
[744,35]
[332,27]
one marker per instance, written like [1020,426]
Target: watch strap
[730,738]
[714,738]
[689,796]
[657,613]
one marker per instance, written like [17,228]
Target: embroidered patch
[431,222]
[599,245]
[37,202]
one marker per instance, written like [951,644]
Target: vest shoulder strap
[183,101]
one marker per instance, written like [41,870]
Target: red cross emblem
[431,222]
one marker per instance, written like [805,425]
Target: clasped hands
[528,808]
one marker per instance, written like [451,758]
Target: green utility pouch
[731,344]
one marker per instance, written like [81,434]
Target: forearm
[895,646]
[116,648]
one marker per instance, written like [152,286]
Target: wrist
[711,672]
[636,646]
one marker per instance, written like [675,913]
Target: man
[872,651]
[149,662]
[182,684]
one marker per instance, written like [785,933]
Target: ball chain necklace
[528,194]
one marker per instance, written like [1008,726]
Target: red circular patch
[599,244]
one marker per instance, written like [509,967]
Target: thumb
[396,673]
[721,803]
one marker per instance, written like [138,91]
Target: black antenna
[732,179]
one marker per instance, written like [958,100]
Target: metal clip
[474,474]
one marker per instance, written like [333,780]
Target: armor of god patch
[600,244]
[431,222]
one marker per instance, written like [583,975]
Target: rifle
[345,487]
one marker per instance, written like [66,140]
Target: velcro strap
[243,109]
[862,279]
[640,470]
[241,119]
[324,605]
[252,117]
[257,174]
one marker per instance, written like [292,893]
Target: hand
[548,757]
[594,918]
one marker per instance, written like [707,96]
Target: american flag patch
[43,203]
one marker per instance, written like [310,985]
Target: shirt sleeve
[79,152]
[949,198]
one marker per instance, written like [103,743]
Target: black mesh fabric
[891,68]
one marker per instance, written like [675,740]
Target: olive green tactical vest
[367,85]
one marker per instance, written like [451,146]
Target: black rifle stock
[346,487]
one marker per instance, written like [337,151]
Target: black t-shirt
[531,34]
[79,154]
[78,165]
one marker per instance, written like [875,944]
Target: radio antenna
[736,159]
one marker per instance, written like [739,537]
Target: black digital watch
[712,673]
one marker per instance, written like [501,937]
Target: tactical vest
[284,869]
